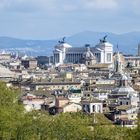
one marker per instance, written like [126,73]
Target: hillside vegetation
[16,124]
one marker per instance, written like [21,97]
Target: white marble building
[92,106]
[65,53]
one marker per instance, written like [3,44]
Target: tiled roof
[90,100]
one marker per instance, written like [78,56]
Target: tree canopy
[16,124]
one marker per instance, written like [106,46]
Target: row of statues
[103,40]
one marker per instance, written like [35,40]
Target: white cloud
[105,4]
[101,4]
[57,7]
[58,4]
[136,6]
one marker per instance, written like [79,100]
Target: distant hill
[127,42]
[29,47]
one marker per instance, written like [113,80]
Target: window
[84,108]
[93,108]
[88,108]
[108,57]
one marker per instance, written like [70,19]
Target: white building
[92,106]
[65,53]
[101,96]
[72,107]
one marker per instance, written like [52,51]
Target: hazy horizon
[59,37]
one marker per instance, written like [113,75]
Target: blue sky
[48,19]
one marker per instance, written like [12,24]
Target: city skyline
[49,19]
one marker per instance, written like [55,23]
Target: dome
[88,54]
[124,90]
[124,77]
[124,87]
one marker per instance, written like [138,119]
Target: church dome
[124,87]
[124,90]
[88,54]
[124,77]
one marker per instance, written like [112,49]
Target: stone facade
[65,53]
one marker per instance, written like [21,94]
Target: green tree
[16,124]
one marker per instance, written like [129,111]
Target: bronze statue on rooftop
[104,39]
[63,40]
